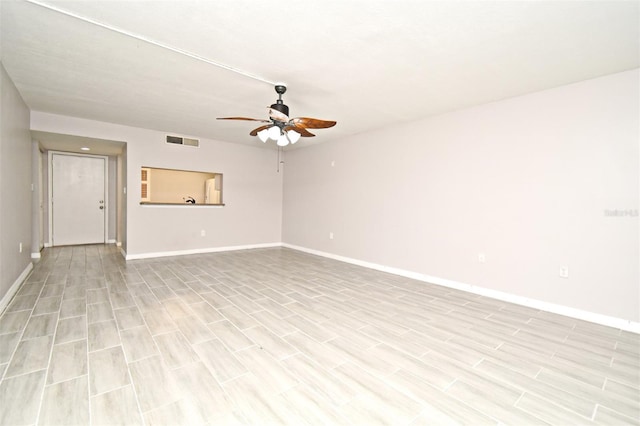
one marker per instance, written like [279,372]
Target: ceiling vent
[178,140]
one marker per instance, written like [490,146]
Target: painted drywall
[15,184]
[530,182]
[252,214]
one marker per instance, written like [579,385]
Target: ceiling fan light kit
[281,128]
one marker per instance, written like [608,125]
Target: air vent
[178,140]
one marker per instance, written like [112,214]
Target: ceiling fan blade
[243,118]
[303,132]
[254,132]
[313,123]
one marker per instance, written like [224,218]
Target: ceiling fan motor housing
[279,106]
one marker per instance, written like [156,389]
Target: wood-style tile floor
[275,336]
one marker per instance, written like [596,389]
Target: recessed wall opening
[171,186]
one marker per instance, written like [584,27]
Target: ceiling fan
[280,127]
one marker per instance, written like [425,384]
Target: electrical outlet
[482,258]
[331,235]
[203,233]
[564,272]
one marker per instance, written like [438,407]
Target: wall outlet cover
[564,272]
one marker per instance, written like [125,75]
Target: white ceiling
[367,64]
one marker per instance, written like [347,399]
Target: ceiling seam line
[150,41]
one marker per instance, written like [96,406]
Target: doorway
[78,197]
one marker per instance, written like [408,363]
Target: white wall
[15,186]
[252,189]
[526,181]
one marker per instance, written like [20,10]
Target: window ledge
[188,205]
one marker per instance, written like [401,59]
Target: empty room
[319,213]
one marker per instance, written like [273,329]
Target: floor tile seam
[570,349]
[623,353]
[601,337]
[48,385]
[444,392]
[636,389]
[488,414]
[584,368]
[108,390]
[127,364]
[542,393]
[146,324]
[309,336]
[621,368]
[604,342]
[607,380]
[24,329]
[589,419]
[606,405]
[221,383]
[536,329]
[181,398]
[598,398]
[48,367]
[23,374]
[631,419]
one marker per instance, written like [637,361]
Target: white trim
[123,253]
[609,321]
[35,255]
[199,251]
[47,245]
[118,243]
[113,241]
[4,302]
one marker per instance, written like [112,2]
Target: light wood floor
[275,336]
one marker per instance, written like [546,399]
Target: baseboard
[609,321]
[123,253]
[118,244]
[35,255]
[111,241]
[48,245]
[199,251]
[4,302]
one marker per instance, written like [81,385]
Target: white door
[78,199]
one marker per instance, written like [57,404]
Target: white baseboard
[118,244]
[123,253]
[609,321]
[48,245]
[35,255]
[199,251]
[4,302]
[111,241]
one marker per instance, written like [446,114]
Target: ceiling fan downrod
[279,105]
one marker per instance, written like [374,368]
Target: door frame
[50,190]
